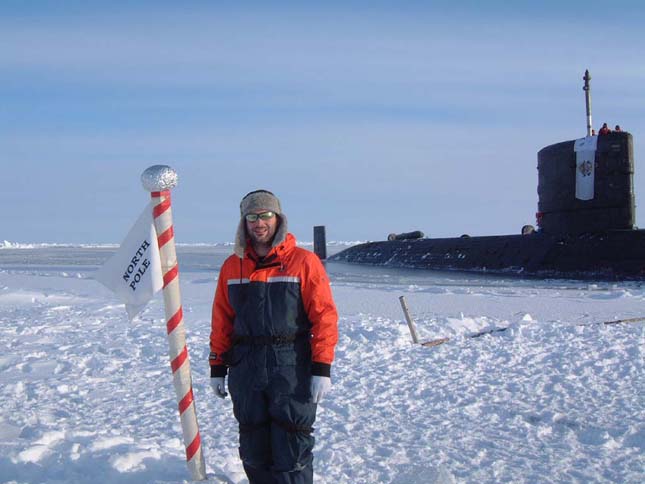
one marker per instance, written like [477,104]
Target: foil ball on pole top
[159,180]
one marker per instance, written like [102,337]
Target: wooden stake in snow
[408,318]
[158,180]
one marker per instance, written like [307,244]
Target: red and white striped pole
[158,180]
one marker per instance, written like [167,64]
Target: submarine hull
[615,255]
[592,237]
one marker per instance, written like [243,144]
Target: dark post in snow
[320,242]
[587,90]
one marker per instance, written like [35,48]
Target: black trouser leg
[250,407]
[259,476]
[292,418]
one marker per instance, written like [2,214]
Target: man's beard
[264,238]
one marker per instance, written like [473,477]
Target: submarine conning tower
[607,177]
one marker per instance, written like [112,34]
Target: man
[604,130]
[274,329]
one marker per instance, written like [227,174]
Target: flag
[585,149]
[134,272]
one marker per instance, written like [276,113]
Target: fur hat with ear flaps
[259,200]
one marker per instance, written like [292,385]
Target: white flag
[134,272]
[585,149]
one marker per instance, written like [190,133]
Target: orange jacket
[286,294]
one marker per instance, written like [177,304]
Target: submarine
[585,221]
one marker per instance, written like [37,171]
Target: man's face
[262,231]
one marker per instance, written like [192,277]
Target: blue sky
[366,117]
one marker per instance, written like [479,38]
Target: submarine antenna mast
[587,90]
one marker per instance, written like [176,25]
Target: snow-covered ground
[558,396]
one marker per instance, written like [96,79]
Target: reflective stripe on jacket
[286,294]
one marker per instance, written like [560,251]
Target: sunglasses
[254,217]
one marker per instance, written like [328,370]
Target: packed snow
[530,386]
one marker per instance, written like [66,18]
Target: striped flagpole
[158,180]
